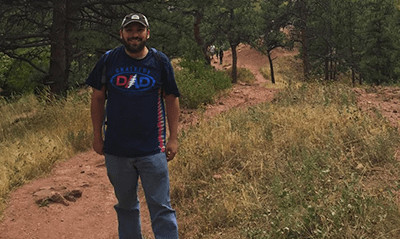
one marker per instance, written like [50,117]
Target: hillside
[92,215]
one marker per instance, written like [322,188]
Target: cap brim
[132,21]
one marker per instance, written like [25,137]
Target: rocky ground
[76,199]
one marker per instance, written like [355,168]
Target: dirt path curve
[92,215]
[241,94]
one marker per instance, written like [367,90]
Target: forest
[55,43]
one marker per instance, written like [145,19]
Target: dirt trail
[241,94]
[92,216]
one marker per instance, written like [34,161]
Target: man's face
[134,37]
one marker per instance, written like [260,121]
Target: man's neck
[139,55]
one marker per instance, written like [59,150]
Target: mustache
[135,38]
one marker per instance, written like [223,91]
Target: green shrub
[199,83]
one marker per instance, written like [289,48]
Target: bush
[199,83]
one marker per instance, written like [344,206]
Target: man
[137,80]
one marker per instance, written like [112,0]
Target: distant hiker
[221,55]
[137,80]
[212,51]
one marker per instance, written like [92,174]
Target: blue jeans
[153,172]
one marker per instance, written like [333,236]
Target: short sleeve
[94,78]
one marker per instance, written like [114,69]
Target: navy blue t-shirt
[135,107]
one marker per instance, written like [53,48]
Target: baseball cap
[135,17]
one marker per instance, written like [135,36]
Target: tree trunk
[334,73]
[326,70]
[58,56]
[198,17]
[72,10]
[271,66]
[234,63]
[304,39]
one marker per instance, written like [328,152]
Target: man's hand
[97,114]
[98,145]
[172,149]
[173,111]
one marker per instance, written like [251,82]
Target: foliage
[64,35]
[335,36]
[379,61]
[353,35]
[199,83]
[17,76]
[273,17]
[6,63]
[269,34]
[236,23]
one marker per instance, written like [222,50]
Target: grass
[309,165]
[35,133]
[287,71]
[243,75]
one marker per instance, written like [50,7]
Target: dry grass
[300,167]
[243,75]
[287,71]
[35,133]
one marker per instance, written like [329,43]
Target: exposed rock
[47,195]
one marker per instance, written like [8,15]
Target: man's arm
[97,114]
[173,111]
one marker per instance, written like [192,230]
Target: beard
[134,47]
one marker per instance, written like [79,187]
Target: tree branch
[25,60]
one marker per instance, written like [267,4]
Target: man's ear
[148,33]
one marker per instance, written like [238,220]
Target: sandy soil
[386,100]
[92,215]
